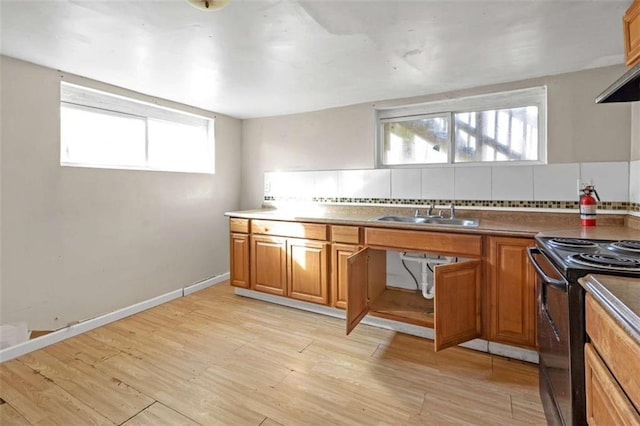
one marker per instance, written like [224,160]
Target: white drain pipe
[425,261]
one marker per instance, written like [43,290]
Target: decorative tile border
[562,205]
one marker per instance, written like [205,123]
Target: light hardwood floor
[215,358]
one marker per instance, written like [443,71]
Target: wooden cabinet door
[308,270]
[339,255]
[607,403]
[631,34]
[269,264]
[512,302]
[456,303]
[357,288]
[239,259]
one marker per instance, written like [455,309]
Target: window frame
[137,109]
[536,96]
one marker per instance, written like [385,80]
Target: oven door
[553,339]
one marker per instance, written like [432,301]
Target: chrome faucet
[452,211]
[427,213]
[429,210]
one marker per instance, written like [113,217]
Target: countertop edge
[391,225]
[624,316]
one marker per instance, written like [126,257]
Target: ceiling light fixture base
[208,5]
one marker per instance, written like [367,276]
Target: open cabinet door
[357,288]
[457,303]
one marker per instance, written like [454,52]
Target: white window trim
[497,100]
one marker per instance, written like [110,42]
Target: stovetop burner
[628,246]
[577,257]
[572,243]
[606,261]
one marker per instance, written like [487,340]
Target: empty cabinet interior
[445,295]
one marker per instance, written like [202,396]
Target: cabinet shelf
[403,305]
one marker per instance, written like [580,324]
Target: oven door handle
[560,284]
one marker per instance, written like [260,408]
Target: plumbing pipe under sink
[426,262]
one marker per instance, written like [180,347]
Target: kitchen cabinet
[239,252]
[631,33]
[345,241]
[511,292]
[308,270]
[339,255]
[611,369]
[607,403]
[293,267]
[487,292]
[455,311]
[269,264]
[425,241]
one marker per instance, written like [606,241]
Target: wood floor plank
[216,358]
[10,417]
[467,400]
[159,415]
[107,395]
[205,401]
[41,401]
[82,347]
[270,422]
[527,410]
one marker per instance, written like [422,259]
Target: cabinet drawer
[620,352]
[311,231]
[607,404]
[437,242]
[631,31]
[239,225]
[345,234]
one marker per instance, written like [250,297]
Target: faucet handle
[429,209]
[452,211]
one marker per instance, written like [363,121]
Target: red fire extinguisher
[588,206]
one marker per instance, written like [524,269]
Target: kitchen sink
[467,223]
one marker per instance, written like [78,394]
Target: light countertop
[620,297]
[524,224]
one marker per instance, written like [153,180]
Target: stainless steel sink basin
[467,223]
[405,219]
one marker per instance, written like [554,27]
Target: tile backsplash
[555,181]
[538,186]
[611,179]
[364,183]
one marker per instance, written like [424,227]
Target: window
[98,129]
[500,127]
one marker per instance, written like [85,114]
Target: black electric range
[575,258]
[561,335]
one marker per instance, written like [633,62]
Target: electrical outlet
[583,183]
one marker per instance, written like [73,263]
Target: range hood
[625,89]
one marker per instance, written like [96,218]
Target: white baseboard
[402,327]
[292,303]
[89,324]
[206,283]
[513,352]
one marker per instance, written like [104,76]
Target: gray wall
[343,138]
[79,242]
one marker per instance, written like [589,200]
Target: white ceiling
[270,57]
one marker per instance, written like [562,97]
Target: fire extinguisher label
[587,210]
